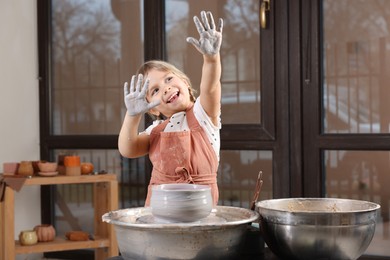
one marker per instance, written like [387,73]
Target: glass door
[352,138]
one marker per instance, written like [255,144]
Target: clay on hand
[210,39]
[135,100]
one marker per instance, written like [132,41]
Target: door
[345,106]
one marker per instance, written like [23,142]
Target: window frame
[261,136]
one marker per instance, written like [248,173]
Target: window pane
[356,66]
[96,47]
[362,175]
[237,175]
[240,52]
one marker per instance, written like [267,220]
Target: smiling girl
[183,143]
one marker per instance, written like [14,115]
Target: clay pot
[45,232]
[28,237]
[26,168]
[47,166]
[181,202]
[35,166]
[61,166]
[10,168]
[86,168]
[71,161]
[72,170]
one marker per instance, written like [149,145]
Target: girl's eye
[154,91]
[169,79]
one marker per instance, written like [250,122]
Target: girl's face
[172,92]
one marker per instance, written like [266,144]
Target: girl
[185,146]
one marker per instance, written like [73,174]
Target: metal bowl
[217,236]
[317,228]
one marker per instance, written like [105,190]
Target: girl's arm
[130,143]
[210,87]
[209,45]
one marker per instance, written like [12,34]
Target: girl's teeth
[172,98]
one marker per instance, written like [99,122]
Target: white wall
[19,115]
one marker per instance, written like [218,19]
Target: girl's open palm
[210,39]
[135,97]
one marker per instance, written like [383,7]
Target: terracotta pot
[70,161]
[45,232]
[10,168]
[26,168]
[47,166]
[35,166]
[86,168]
[72,170]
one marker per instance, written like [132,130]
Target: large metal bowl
[217,236]
[317,228]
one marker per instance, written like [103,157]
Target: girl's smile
[173,98]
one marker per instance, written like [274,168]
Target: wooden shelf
[62,179]
[61,243]
[105,199]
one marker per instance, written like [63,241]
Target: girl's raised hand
[135,100]
[210,39]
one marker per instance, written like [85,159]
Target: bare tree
[79,30]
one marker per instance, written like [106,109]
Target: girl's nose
[167,89]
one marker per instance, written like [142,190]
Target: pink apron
[183,157]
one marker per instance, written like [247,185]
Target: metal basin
[317,228]
[217,236]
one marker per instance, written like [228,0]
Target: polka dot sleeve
[212,131]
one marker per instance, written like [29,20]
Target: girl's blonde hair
[166,67]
